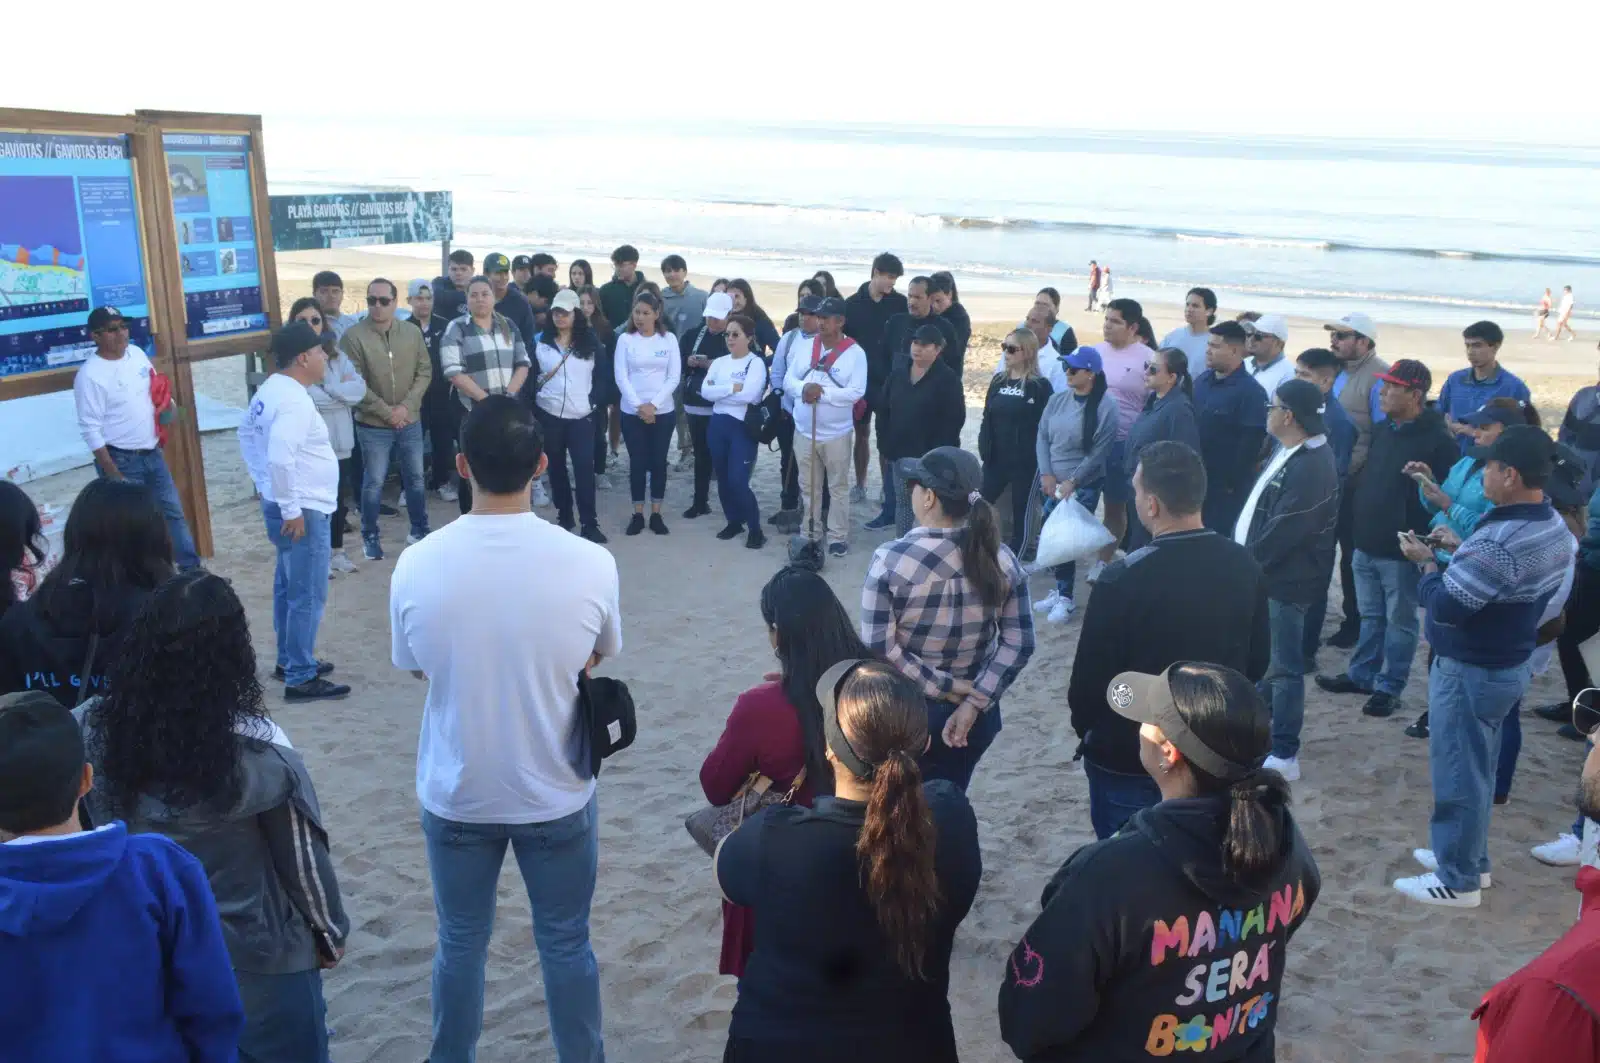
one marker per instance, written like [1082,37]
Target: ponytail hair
[1177,360]
[886,720]
[1223,710]
[980,545]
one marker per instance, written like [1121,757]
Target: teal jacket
[1464,485]
[1589,546]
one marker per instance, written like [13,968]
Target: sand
[1371,976]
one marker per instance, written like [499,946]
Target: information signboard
[360,219]
[208,175]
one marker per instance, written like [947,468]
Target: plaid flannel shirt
[921,612]
[491,358]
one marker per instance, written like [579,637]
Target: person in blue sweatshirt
[1484,378]
[110,945]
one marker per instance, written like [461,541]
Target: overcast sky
[1406,68]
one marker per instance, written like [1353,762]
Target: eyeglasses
[1010,348]
[1278,406]
[1586,712]
[379,300]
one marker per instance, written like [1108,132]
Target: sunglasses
[379,300]
[1586,712]
[1343,335]
[1010,348]
[314,322]
[1151,368]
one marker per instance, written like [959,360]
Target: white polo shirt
[285,445]
[112,396]
[842,384]
[502,613]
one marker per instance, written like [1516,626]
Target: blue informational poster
[209,176]
[69,242]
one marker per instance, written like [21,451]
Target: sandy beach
[1371,976]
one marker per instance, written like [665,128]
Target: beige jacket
[1356,397]
[394,364]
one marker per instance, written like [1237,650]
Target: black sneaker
[316,690]
[1345,638]
[323,668]
[755,540]
[697,510]
[789,522]
[593,533]
[1560,712]
[784,516]
[1418,729]
[1340,684]
[658,525]
[838,549]
[567,523]
[1380,705]
[732,531]
[636,525]
[881,521]
[387,510]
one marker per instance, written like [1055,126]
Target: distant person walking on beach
[1108,293]
[1541,316]
[1564,316]
[1094,285]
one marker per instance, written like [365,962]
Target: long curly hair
[182,688]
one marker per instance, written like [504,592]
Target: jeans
[647,454]
[1284,685]
[376,446]
[1505,767]
[601,416]
[1114,797]
[1066,574]
[299,591]
[285,1020]
[900,500]
[149,467]
[349,487]
[561,438]
[1467,707]
[701,443]
[558,861]
[957,765]
[1316,614]
[733,458]
[1386,589]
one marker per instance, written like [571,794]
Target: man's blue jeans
[1386,591]
[1284,685]
[285,1019]
[149,467]
[299,591]
[1115,796]
[376,445]
[558,861]
[1467,707]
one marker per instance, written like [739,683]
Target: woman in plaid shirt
[947,604]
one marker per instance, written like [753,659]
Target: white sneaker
[413,540]
[1430,862]
[1563,852]
[1429,890]
[340,562]
[858,495]
[1288,768]
[1062,611]
[449,493]
[541,497]
[1095,570]
[602,482]
[1045,604]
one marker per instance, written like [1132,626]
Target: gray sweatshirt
[1065,450]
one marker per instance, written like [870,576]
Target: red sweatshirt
[1550,1010]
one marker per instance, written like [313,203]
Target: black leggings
[349,487]
[702,459]
[996,478]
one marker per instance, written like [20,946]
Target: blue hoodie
[111,951]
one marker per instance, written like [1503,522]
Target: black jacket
[515,308]
[1292,532]
[916,417]
[449,302]
[712,345]
[1136,953]
[961,325]
[895,348]
[864,319]
[48,652]
[1385,500]
[438,387]
[1187,596]
[1009,433]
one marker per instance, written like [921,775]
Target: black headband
[827,697]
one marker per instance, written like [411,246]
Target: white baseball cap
[1270,324]
[1355,321]
[719,306]
[566,299]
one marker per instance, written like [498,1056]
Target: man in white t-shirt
[499,612]
[117,419]
[826,381]
[1564,315]
[1265,339]
[285,445]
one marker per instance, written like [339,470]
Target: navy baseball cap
[810,304]
[832,306]
[1487,414]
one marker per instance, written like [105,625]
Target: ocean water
[1428,233]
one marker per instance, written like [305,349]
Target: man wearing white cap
[1266,338]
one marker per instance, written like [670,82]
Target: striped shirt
[922,613]
[491,357]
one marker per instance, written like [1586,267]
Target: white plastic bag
[1070,533]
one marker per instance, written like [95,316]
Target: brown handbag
[715,822]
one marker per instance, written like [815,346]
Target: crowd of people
[181,837]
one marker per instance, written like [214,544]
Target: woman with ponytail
[947,604]
[857,899]
[1168,415]
[1172,935]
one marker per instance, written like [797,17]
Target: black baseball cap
[496,263]
[101,316]
[929,336]
[522,262]
[293,340]
[1304,400]
[1487,415]
[832,306]
[810,304]
[1523,447]
[1146,698]
[1568,471]
[949,472]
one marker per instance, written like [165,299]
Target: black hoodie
[864,319]
[1145,948]
[961,322]
[39,652]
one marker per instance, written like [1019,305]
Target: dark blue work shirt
[1464,393]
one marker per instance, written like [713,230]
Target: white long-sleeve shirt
[724,372]
[341,390]
[842,385]
[648,370]
[285,446]
[566,393]
[794,339]
[112,396]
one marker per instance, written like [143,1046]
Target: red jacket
[1550,1010]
